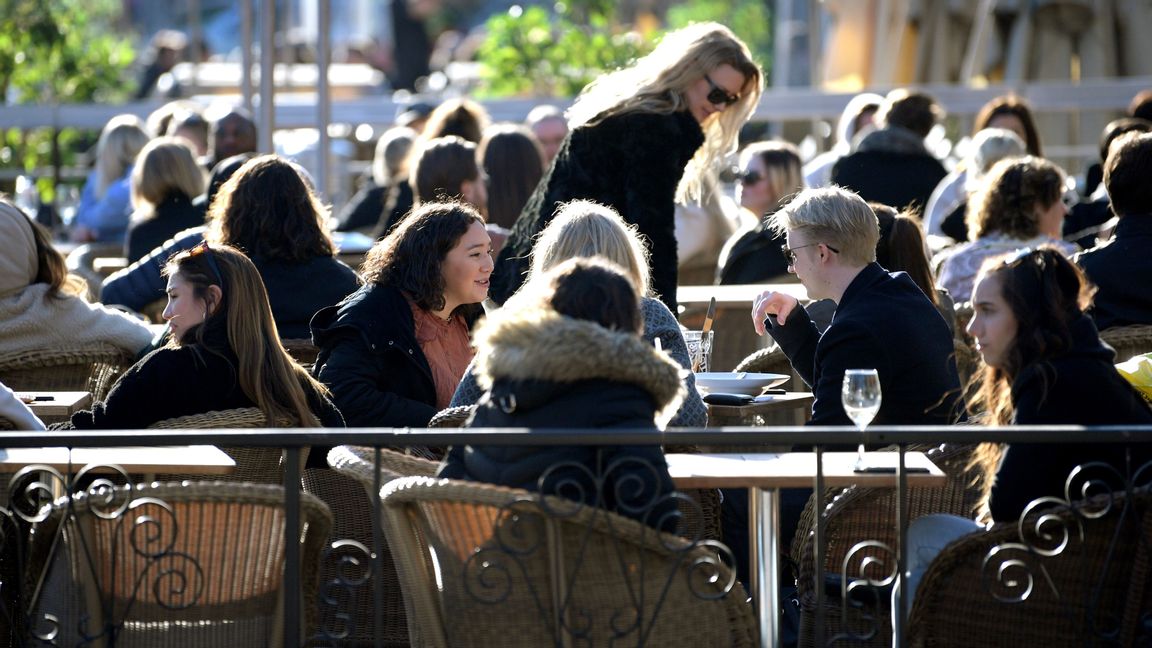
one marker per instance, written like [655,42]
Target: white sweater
[28,321]
[12,409]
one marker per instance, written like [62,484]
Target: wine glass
[860,395]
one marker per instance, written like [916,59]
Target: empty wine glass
[860,395]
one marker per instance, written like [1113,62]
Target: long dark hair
[411,256]
[267,374]
[514,162]
[1046,293]
[267,210]
[1016,107]
[901,247]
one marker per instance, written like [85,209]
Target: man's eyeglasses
[790,253]
[202,248]
[718,95]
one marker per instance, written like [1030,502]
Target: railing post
[377,553]
[902,595]
[818,575]
[292,581]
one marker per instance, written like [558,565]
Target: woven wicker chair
[484,565]
[253,465]
[1129,341]
[81,260]
[452,417]
[191,564]
[347,609]
[856,514]
[1100,583]
[302,351]
[91,368]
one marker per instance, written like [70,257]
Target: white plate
[730,382]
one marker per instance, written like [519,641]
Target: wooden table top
[51,406]
[795,470]
[735,295]
[203,459]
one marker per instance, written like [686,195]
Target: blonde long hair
[267,374]
[120,142]
[584,229]
[656,83]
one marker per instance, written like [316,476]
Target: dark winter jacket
[174,215]
[631,162]
[295,290]
[755,257]
[172,382]
[371,361]
[1121,270]
[1081,387]
[544,370]
[883,322]
[891,166]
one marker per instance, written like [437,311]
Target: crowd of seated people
[246,261]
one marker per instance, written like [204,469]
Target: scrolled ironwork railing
[1016,571]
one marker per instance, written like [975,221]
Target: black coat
[631,162]
[371,361]
[1121,269]
[883,322]
[176,214]
[892,167]
[556,372]
[191,379]
[1081,387]
[755,258]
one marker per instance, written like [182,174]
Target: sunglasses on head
[718,95]
[202,248]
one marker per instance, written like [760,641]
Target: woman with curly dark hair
[394,351]
[269,211]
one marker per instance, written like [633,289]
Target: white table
[204,459]
[764,474]
[55,406]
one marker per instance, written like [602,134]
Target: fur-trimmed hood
[536,343]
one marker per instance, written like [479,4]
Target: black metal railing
[1015,569]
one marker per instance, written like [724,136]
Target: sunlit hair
[596,290]
[1046,293]
[119,144]
[165,167]
[915,111]
[989,146]
[441,166]
[159,121]
[657,83]
[1016,107]
[190,125]
[782,166]
[461,117]
[832,216]
[51,268]
[411,257]
[267,210]
[848,127]
[584,229]
[266,373]
[901,248]
[392,151]
[512,158]
[1127,174]
[1014,189]
[1118,127]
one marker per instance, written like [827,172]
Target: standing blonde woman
[105,205]
[642,137]
[164,181]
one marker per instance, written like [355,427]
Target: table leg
[764,525]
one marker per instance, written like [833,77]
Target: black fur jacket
[631,162]
[543,370]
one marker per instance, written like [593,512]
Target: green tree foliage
[751,20]
[58,51]
[555,53]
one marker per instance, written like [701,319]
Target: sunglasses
[202,248]
[719,96]
[750,178]
[790,253]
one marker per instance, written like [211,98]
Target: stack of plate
[743,382]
